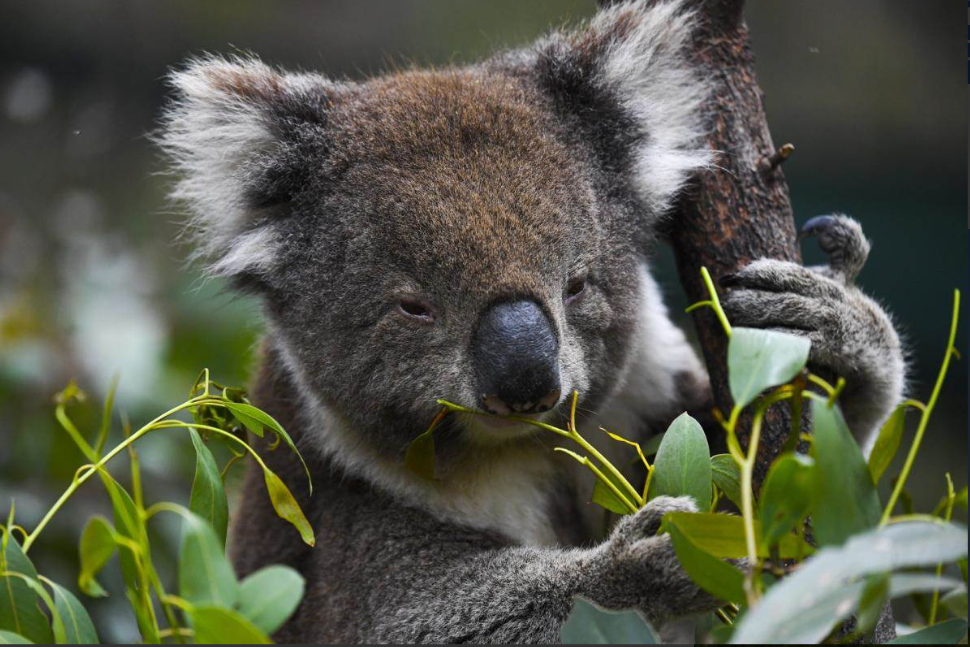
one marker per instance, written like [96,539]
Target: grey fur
[459,188]
[852,336]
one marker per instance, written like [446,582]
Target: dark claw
[816,225]
[728,280]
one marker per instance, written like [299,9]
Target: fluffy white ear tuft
[647,69]
[221,132]
[635,53]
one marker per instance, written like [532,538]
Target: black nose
[516,358]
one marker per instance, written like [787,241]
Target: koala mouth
[494,430]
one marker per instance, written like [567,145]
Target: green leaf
[260,418]
[129,524]
[204,572]
[420,455]
[79,630]
[208,498]
[588,625]
[216,625]
[96,548]
[786,496]
[805,606]
[605,497]
[887,443]
[19,605]
[248,421]
[727,477]
[943,633]
[718,578]
[269,596]
[650,447]
[722,535]
[956,602]
[10,638]
[683,463]
[874,596]
[845,501]
[287,507]
[759,359]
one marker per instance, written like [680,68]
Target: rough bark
[738,212]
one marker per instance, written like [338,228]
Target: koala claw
[842,239]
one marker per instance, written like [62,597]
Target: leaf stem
[79,481]
[950,499]
[926,412]
[714,303]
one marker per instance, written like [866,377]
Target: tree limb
[739,211]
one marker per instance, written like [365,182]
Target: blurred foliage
[91,284]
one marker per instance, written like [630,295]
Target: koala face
[470,234]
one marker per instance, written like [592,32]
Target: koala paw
[851,335]
[637,569]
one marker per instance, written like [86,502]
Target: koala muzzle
[516,356]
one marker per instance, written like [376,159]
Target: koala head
[472,233]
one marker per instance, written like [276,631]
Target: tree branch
[739,211]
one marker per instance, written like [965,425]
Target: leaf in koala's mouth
[420,455]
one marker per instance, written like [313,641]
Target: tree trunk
[739,211]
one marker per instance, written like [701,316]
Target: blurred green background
[93,283]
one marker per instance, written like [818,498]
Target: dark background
[91,282]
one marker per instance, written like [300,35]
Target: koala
[480,234]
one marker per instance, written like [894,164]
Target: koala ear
[626,82]
[240,136]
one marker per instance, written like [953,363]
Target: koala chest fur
[480,235]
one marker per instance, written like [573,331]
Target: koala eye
[416,310]
[575,287]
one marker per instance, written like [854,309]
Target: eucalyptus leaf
[208,497]
[260,418]
[950,632]
[650,447]
[722,535]
[760,359]
[216,625]
[95,549]
[128,524]
[874,596]
[269,596]
[786,496]
[78,628]
[845,501]
[589,625]
[287,507]
[204,572]
[805,606]
[20,611]
[420,455]
[10,638]
[605,497]
[727,477]
[683,463]
[887,443]
[718,578]
[956,602]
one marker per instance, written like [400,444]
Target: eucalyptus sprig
[788,590]
[211,605]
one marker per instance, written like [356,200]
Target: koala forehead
[585,136]
[461,175]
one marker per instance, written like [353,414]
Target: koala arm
[852,336]
[457,585]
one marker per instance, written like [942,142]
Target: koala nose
[516,357]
